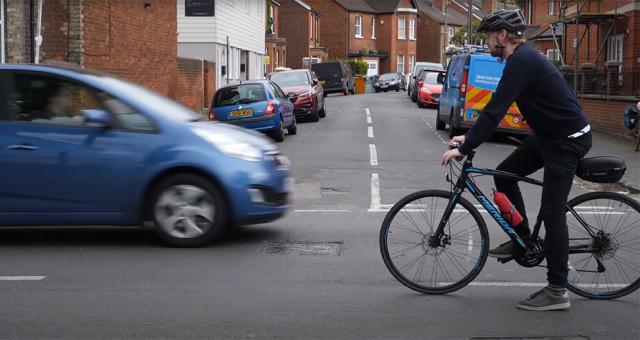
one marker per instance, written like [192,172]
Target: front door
[373,67]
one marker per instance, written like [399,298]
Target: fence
[610,82]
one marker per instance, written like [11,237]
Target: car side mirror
[292,96]
[440,79]
[414,77]
[97,118]
[315,82]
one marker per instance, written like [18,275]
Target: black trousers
[559,157]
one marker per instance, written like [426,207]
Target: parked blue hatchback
[78,148]
[259,105]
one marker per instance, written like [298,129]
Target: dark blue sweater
[545,100]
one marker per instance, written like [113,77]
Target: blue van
[468,85]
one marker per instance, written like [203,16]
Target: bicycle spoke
[405,228]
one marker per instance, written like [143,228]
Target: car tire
[322,112]
[440,125]
[293,128]
[174,199]
[452,131]
[278,133]
[345,91]
[314,117]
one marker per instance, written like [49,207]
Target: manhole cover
[568,337]
[304,248]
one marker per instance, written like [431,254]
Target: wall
[606,115]
[334,28]
[195,83]
[18,42]
[357,44]
[429,44]
[294,26]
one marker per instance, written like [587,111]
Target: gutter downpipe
[38,37]
[2,60]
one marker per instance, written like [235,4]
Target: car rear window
[239,94]
[430,78]
[388,76]
[327,71]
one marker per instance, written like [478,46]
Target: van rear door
[484,74]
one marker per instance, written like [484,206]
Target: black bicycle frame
[464,181]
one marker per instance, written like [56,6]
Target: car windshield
[388,76]
[430,78]
[154,101]
[239,94]
[290,79]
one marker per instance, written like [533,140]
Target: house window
[373,28]
[614,48]
[552,7]
[451,34]
[553,54]
[400,63]
[412,61]
[401,29]
[359,26]
[412,29]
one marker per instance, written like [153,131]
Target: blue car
[260,105]
[79,148]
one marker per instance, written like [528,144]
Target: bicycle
[440,234]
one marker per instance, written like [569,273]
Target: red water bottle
[509,212]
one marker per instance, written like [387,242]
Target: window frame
[373,28]
[358,26]
[615,48]
[400,65]
[412,29]
[552,7]
[404,29]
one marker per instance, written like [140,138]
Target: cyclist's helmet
[511,20]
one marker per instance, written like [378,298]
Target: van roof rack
[475,49]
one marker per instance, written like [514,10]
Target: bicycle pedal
[505,260]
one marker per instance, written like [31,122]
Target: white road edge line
[320,210]
[22,278]
[374,154]
[375,192]
[370,132]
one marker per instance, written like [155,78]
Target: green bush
[359,67]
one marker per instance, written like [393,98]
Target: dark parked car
[389,81]
[86,149]
[335,76]
[259,105]
[305,84]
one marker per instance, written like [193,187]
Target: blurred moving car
[412,89]
[305,84]
[335,76]
[428,89]
[389,81]
[85,149]
[259,105]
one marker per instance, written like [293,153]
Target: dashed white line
[375,192]
[367,111]
[319,210]
[22,278]
[374,154]
[370,132]
[368,119]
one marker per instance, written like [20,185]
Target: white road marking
[367,111]
[22,278]
[368,119]
[375,192]
[370,132]
[319,210]
[374,154]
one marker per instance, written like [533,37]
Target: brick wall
[606,115]
[195,83]
[386,36]
[366,42]
[333,32]
[17,32]
[428,46]
[294,25]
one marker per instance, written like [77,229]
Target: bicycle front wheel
[413,258]
[607,265]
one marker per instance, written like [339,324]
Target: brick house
[300,24]
[381,32]
[275,45]
[133,40]
[607,38]
[436,31]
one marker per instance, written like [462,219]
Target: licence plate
[241,113]
[384,86]
[436,99]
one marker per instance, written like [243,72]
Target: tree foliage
[460,37]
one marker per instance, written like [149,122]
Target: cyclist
[561,137]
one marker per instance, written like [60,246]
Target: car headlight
[229,145]
[304,95]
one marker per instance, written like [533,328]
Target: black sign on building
[199,8]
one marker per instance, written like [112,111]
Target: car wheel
[322,112]
[440,125]
[452,131]
[278,133]
[293,129]
[188,211]
[345,91]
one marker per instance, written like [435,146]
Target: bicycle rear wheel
[612,268]
[418,263]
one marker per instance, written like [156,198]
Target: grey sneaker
[502,251]
[545,299]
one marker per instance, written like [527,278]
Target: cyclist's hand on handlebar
[452,153]
[457,140]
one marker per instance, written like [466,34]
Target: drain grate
[555,337]
[303,248]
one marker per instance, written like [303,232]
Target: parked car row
[273,105]
[87,149]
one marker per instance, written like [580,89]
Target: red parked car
[428,89]
[305,84]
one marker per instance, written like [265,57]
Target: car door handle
[23,147]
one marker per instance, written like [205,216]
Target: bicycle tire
[476,241]
[619,216]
